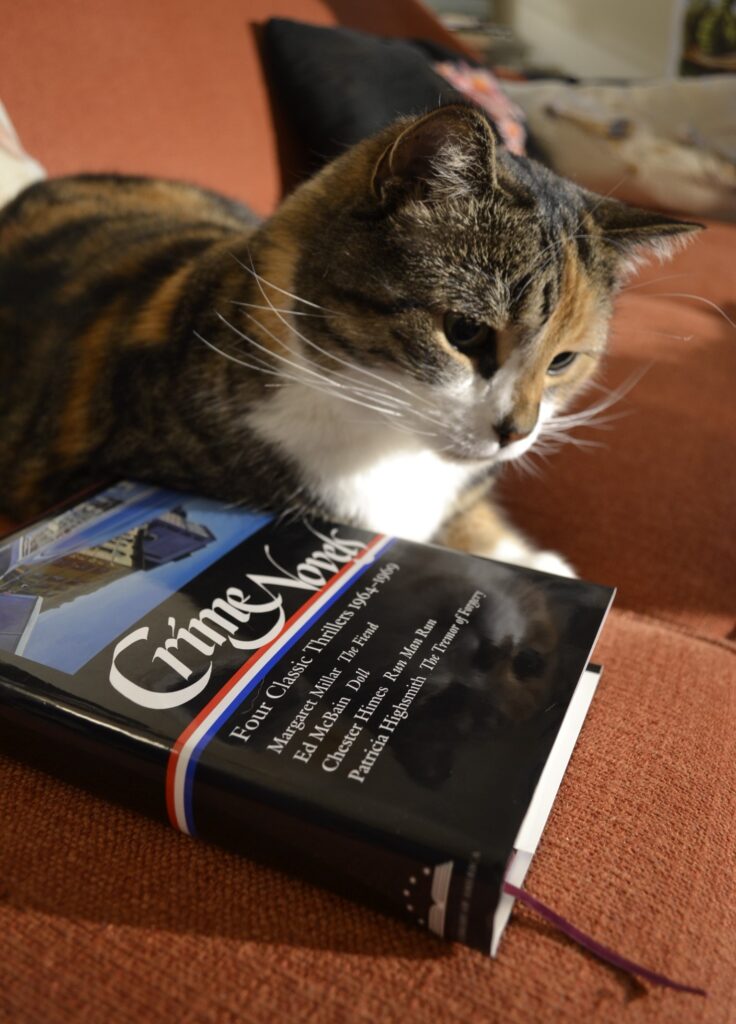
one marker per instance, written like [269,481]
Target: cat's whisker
[235,359]
[289,515]
[277,309]
[325,387]
[260,280]
[232,505]
[592,421]
[282,377]
[259,367]
[559,438]
[444,448]
[586,416]
[396,423]
[252,270]
[378,393]
[407,429]
[590,416]
[525,465]
[606,195]
[328,389]
[697,298]
[371,396]
[535,270]
[355,367]
[349,364]
[645,284]
[556,243]
[589,213]
[302,370]
[595,422]
[652,330]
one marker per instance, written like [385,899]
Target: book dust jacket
[388,719]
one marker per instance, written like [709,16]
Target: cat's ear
[635,233]
[448,153]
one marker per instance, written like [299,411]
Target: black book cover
[387,718]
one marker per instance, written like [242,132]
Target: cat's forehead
[481,244]
[501,231]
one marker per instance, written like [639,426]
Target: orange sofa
[107,916]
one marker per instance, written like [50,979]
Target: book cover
[386,718]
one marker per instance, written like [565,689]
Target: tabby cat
[411,318]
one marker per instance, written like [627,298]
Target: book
[389,719]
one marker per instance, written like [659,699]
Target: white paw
[511,550]
[551,562]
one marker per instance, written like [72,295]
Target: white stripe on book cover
[231,697]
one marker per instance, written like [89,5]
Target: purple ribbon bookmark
[596,948]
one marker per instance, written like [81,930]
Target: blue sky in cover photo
[67,637]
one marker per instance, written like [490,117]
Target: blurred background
[599,39]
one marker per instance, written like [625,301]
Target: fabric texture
[107,916]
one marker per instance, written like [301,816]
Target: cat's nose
[507,432]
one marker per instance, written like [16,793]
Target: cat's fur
[150,329]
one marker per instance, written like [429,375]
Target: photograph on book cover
[88,573]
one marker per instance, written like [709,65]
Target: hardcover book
[390,719]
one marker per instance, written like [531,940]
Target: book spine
[450,894]
[81,747]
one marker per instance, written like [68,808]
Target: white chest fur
[404,493]
[366,470]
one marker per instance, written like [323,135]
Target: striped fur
[155,330]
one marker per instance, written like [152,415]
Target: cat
[410,319]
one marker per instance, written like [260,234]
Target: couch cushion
[340,86]
[653,512]
[105,915]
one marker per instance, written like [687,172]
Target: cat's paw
[551,562]
[511,550]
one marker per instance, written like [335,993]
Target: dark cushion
[340,86]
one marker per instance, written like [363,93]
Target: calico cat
[411,318]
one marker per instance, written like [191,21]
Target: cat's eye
[466,334]
[561,362]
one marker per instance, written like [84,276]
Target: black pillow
[340,86]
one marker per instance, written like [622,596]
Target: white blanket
[666,143]
[17,168]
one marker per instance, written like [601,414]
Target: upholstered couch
[107,916]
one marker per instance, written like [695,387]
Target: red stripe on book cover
[254,659]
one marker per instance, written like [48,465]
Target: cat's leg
[480,529]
